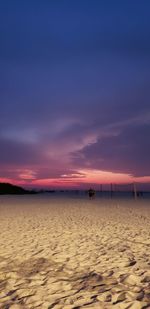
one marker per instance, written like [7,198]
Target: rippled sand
[74,253]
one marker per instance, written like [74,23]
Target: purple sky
[74,92]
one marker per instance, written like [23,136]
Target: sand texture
[74,253]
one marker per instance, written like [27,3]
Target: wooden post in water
[101,189]
[134,191]
[111,190]
[114,188]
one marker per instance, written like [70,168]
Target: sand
[74,253]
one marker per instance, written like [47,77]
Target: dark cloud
[20,153]
[127,152]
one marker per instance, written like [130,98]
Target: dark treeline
[7,188]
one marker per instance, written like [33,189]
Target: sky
[74,92]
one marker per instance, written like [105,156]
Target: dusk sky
[74,92]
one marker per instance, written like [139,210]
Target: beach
[59,252]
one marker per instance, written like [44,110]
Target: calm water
[81,195]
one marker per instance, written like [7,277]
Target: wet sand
[74,253]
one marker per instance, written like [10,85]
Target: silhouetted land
[7,188]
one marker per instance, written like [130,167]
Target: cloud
[13,152]
[101,136]
[127,152]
